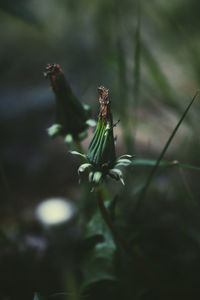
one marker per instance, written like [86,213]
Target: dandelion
[100,157]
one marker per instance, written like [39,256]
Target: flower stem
[121,242]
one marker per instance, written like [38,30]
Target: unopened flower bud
[71,116]
[101,157]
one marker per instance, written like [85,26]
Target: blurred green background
[148,54]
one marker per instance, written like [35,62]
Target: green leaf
[99,264]
[163,163]
[148,162]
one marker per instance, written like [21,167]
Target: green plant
[110,245]
[101,156]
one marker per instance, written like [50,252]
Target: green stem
[121,242]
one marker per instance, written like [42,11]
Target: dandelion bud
[101,157]
[101,151]
[71,116]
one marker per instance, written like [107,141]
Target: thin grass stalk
[136,70]
[153,171]
[122,71]
[158,76]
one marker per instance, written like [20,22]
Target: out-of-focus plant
[72,118]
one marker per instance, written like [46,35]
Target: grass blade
[164,163]
[158,76]
[136,70]
[151,175]
[137,57]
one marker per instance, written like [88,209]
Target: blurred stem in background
[129,124]
[122,72]
[136,71]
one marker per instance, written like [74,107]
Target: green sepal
[54,130]
[123,162]
[83,167]
[90,176]
[68,139]
[97,177]
[118,173]
[91,122]
[77,153]
[125,156]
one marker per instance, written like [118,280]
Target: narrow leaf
[54,129]
[151,175]
[174,163]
